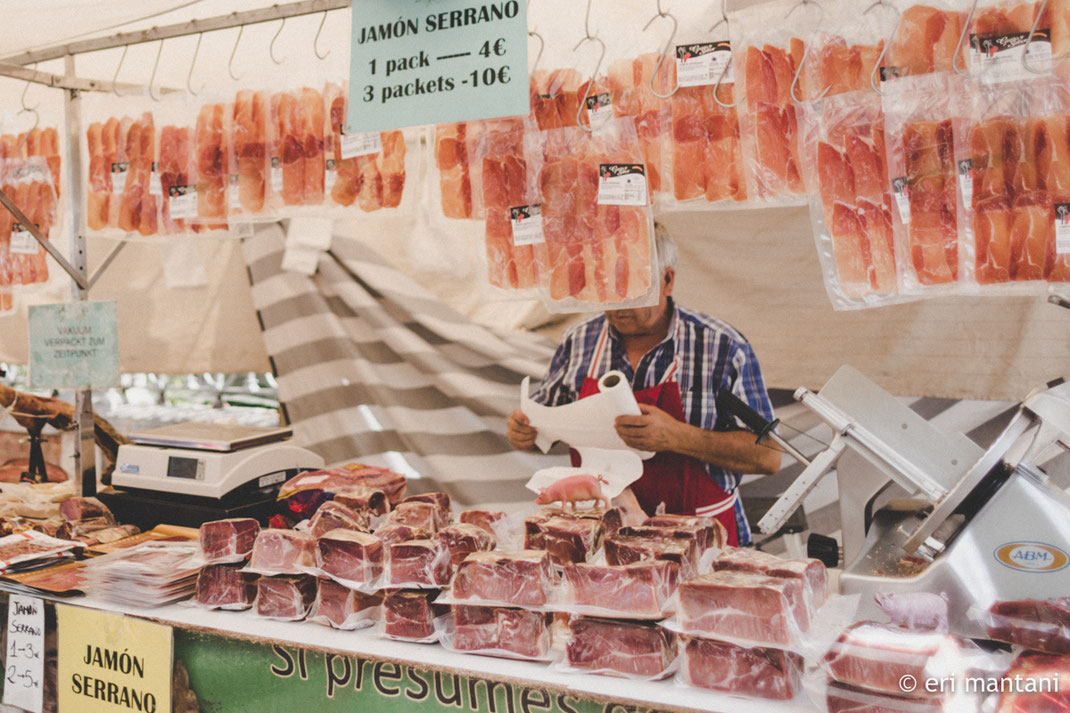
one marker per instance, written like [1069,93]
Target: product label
[704,63]
[526,221]
[1062,228]
[889,73]
[998,58]
[155,187]
[360,144]
[965,167]
[622,184]
[276,175]
[901,191]
[182,202]
[241,230]
[24,675]
[233,194]
[119,171]
[599,109]
[31,172]
[331,176]
[22,241]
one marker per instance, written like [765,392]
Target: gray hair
[668,254]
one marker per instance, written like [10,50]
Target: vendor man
[676,360]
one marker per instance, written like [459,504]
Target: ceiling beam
[59,81]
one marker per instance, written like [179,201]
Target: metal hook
[192,64]
[809,45]
[962,37]
[884,50]
[542,46]
[271,47]
[114,79]
[590,84]
[316,39]
[720,78]
[230,62]
[664,51]
[1029,40]
[155,66]
[724,17]
[587,23]
[22,98]
[25,137]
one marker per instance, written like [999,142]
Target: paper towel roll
[615,386]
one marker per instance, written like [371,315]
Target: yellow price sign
[110,663]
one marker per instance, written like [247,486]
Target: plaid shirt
[712,356]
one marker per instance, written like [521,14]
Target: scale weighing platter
[218,437]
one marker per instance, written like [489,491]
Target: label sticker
[888,73]
[155,187]
[1062,228]
[119,172]
[622,184]
[331,177]
[31,172]
[998,58]
[599,109]
[966,181]
[182,202]
[526,221]
[22,241]
[276,175]
[360,144]
[24,677]
[1031,556]
[901,191]
[241,230]
[703,63]
[233,193]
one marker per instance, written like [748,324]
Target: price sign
[414,62]
[24,674]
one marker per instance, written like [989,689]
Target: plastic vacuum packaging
[285,597]
[227,541]
[370,502]
[391,532]
[333,515]
[642,590]
[488,520]
[225,586]
[149,574]
[302,494]
[846,174]
[756,672]
[523,578]
[630,80]
[408,615]
[414,564]
[350,557]
[340,607]
[28,182]
[277,551]
[463,539]
[1037,683]
[571,539]
[744,607]
[705,531]
[811,572]
[926,38]
[843,52]
[211,137]
[633,649]
[42,141]
[997,33]
[610,519]
[297,167]
[624,550]
[498,631]
[919,116]
[1038,625]
[841,698]
[443,510]
[247,156]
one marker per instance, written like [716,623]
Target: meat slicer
[977,525]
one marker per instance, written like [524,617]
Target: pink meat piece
[350,556]
[441,502]
[370,501]
[415,514]
[641,589]
[483,519]
[877,656]
[756,672]
[812,572]
[286,597]
[353,475]
[73,509]
[1041,625]
[418,562]
[841,698]
[341,606]
[628,647]
[220,585]
[463,539]
[517,631]
[1041,684]
[610,518]
[523,578]
[282,551]
[571,539]
[333,515]
[393,532]
[621,550]
[409,614]
[739,605]
[228,540]
[708,532]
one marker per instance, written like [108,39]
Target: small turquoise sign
[417,62]
[74,346]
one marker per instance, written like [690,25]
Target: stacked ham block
[224,586]
[1038,625]
[231,540]
[332,515]
[501,631]
[758,672]
[522,578]
[225,545]
[409,615]
[463,539]
[285,597]
[642,589]
[340,607]
[631,648]
[350,557]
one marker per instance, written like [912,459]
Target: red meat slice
[622,550]
[441,503]
[342,607]
[285,597]
[282,552]
[523,578]
[483,519]
[418,562]
[424,516]
[626,647]
[249,147]
[739,605]
[498,629]
[210,151]
[409,614]
[571,539]
[756,672]
[228,540]
[226,586]
[463,539]
[452,160]
[332,515]
[641,589]
[350,556]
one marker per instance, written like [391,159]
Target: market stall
[397,209]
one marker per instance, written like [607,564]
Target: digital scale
[189,473]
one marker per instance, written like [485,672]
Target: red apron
[680,481]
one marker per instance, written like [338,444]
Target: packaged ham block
[285,597]
[417,563]
[340,607]
[370,501]
[641,590]
[841,698]
[534,525]
[463,539]
[744,607]
[707,531]
[753,672]
[811,572]
[332,515]
[624,549]
[441,502]
[520,578]
[571,539]
[221,586]
[498,631]
[483,519]
[626,648]
[282,552]
[228,540]
[408,615]
[392,532]
[350,557]
[424,516]
[1039,684]
[1039,625]
[74,509]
